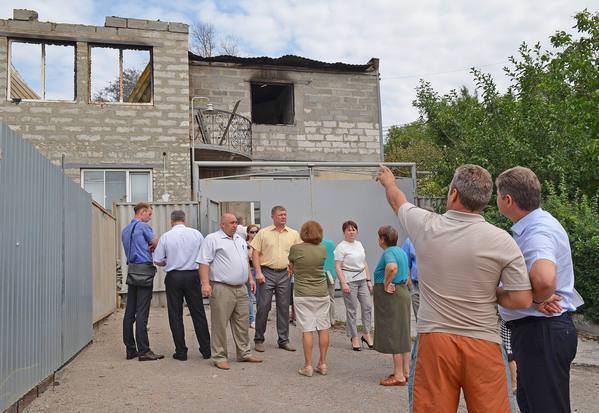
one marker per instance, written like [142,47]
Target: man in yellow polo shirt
[270,258]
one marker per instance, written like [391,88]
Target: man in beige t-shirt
[270,259]
[462,262]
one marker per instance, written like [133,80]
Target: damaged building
[125,107]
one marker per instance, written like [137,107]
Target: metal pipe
[311,192]
[249,164]
[194,173]
[378,92]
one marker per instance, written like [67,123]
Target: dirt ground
[101,380]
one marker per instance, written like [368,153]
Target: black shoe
[355,348]
[206,356]
[366,342]
[132,354]
[180,357]
[150,356]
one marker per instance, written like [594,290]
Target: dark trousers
[544,348]
[279,283]
[186,284]
[137,312]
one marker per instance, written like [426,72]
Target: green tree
[410,143]
[112,91]
[547,120]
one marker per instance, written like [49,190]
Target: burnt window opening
[272,103]
[41,70]
[120,74]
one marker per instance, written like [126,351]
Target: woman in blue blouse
[392,307]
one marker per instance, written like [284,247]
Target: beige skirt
[312,313]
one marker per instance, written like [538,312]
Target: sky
[435,40]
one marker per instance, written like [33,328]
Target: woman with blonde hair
[311,295]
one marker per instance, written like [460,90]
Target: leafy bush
[579,215]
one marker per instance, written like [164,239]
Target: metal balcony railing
[223,130]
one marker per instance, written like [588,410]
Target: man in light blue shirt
[408,248]
[543,336]
[224,271]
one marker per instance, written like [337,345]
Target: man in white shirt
[176,251]
[224,271]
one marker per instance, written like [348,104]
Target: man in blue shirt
[138,243]
[408,248]
[543,336]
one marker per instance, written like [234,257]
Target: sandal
[322,369]
[392,381]
[306,371]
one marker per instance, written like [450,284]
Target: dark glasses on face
[252,232]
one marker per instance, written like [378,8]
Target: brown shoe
[150,356]
[223,365]
[251,359]
[259,347]
[392,381]
[287,347]
[132,354]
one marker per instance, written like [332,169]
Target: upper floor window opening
[120,74]
[41,70]
[272,103]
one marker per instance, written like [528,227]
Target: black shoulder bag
[139,275]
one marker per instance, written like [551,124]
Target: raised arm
[395,196]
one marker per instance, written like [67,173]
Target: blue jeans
[252,299]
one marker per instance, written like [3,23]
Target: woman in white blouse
[355,281]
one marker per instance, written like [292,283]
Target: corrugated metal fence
[45,268]
[103,262]
[161,222]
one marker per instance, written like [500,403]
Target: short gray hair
[178,216]
[474,184]
[522,185]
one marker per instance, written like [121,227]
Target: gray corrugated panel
[161,222]
[32,269]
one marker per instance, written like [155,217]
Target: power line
[439,73]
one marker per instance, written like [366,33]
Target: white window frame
[127,180]
[43,44]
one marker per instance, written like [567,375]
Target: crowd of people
[462,277]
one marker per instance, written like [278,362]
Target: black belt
[535,319]
[182,272]
[273,269]
[229,285]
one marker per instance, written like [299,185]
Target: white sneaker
[253,325]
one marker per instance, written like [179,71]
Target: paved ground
[100,379]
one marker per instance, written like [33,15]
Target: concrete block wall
[336,113]
[111,135]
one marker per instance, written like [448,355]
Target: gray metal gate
[45,267]
[330,202]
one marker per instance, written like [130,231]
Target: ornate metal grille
[223,128]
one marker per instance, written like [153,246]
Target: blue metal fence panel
[44,320]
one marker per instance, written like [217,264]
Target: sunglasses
[252,232]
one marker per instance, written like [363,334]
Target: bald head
[228,223]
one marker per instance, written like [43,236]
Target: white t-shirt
[353,259]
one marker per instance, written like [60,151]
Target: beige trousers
[229,304]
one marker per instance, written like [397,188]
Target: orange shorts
[444,363]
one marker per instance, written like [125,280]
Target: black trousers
[137,312]
[186,284]
[544,348]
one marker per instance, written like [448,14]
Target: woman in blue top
[392,307]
